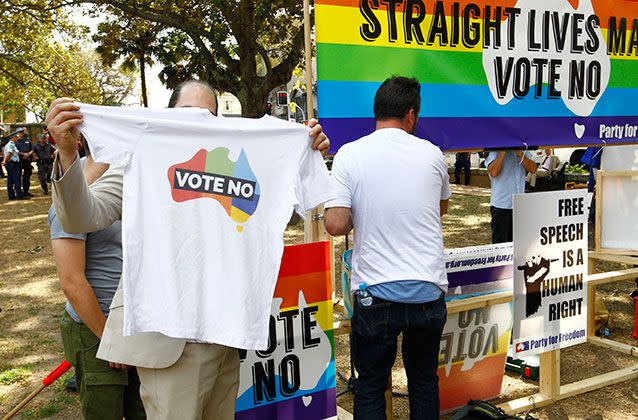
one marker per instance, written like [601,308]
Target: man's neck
[390,124]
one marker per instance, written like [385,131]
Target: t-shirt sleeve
[314,185]
[112,135]
[446,192]
[56,228]
[341,181]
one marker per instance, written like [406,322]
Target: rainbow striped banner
[493,73]
[294,378]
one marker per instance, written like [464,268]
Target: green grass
[13,375]
[62,400]
[43,412]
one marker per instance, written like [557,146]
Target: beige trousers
[540,173]
[201,385]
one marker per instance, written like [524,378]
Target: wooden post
[314,230]
[591,300]
[598,228]
[549,382]
[307,29]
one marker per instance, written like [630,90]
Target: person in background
[462,163]
[2,144]
[549,164]
[507,171]
[49,139]
[11,161]
[25,147]
[398,275]
[89,268]
[43,152]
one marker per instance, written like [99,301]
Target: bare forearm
[82,298]
[444,207]
[529,165]
[494,168]
[338,221]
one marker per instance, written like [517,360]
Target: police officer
[11,160]
[3,142]
[43,151]
[462,164]
[25,147]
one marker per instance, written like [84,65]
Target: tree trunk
[143,78]
[252,104]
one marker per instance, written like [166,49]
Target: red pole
[51,377]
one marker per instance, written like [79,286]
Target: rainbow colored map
[211,174]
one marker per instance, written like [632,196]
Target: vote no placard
[550,271]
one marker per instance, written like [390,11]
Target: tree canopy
[131,40]
[244,47]
[41,59]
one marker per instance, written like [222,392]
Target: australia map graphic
[212,174]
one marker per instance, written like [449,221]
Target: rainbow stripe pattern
[295,378]
[458,109]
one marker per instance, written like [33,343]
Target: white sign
[550,271]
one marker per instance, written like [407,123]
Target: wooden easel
[550,388]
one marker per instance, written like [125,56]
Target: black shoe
[24,198]
[28,195]
[72,384]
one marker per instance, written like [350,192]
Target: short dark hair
[178,91]
[396,97]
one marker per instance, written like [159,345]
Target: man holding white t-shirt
[181,378]
[392,189]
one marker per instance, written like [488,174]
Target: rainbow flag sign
[294,378]
[473,353]
[493,73]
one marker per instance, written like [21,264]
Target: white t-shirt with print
[393,182]
[205,204]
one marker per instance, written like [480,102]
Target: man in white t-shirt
[179,378]
[392,189]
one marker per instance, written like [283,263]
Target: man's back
[397,183]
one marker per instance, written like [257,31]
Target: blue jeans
[14,189]
[375,330]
